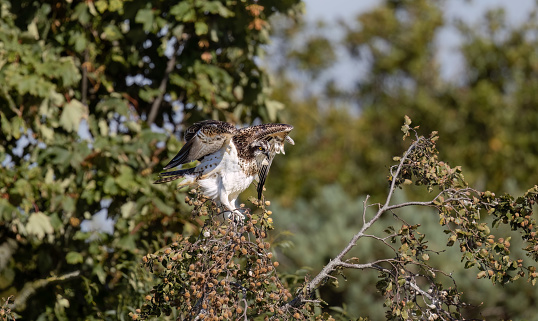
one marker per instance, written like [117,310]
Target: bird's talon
[236,216]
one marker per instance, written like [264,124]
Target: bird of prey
[230,159]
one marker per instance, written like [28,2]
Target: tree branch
[162,86]
[338,261]
[84,88]
[30,288]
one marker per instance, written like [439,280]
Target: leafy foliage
[226,272]
[5,311]
[89,95]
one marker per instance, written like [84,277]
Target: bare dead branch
[364,207]
[338,262]
[162,86]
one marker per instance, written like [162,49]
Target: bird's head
[260,150]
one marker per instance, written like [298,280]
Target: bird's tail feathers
[173,175]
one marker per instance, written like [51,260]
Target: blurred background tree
[92,93]
[486,116]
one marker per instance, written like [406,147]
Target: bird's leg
[236,211]
[235,215]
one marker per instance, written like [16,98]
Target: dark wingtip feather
[262,175]
[181,156]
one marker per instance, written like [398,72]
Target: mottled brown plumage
[203,138]
[230,158]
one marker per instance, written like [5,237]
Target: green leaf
[17,126]
[39,225]
[133,126]
[6,126]
[109,187]
[163,207]
[115,5]
[200,28]
[56,222]
[101,5]
[126,178]
[149,94]
[127,242]
[81,13]
[47,133]
[7,211]
[80,43]
[72,114]
[100,273]
[111,33]
[183,12]
[68,71]
[74,258]
[216,7]
[146,18]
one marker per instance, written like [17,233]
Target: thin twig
[364,206]
[338,261]
[162,86]
[30,288]
[84,88]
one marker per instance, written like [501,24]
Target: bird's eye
[260,148]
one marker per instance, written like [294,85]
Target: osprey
[230,159]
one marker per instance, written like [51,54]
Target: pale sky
[448,39]
[467,9]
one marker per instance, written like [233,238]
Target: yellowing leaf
[47,133]
[39,225]
[103,127]
[72,114]
[32,29]
[127,209]
[49,176]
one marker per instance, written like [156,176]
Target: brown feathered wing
[202,138]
